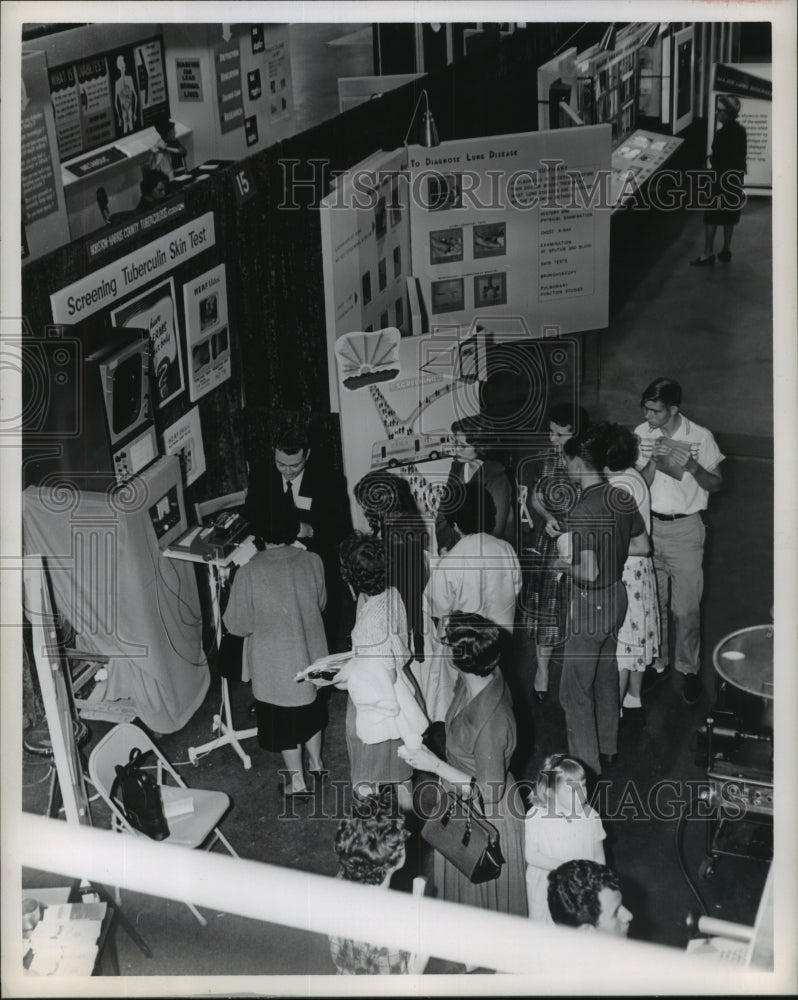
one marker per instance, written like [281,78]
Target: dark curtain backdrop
[272,248]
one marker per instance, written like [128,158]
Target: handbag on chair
[467,840]
[139,797]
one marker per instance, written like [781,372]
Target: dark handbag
[466,839]
[230,656]
[138,795]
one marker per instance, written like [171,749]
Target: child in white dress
[560,826]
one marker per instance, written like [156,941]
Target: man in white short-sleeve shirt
[679,460]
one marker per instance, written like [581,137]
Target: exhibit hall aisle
[656,328]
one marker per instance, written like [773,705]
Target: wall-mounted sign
[752,83]
[254,85]
[278,68]
[228,86]
[258,38]
[251,129]
[107,96]
[189,80]
[207,331]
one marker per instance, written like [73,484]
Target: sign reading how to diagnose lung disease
[514,225]
[207,332]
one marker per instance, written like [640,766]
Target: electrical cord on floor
[677,843]
[157,577]
[195,619]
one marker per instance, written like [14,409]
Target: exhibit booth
[442,251]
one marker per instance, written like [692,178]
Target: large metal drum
[744,662]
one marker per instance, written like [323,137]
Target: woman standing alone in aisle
[728,160]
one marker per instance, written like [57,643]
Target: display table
[72,932]
[189,548]
[636,160]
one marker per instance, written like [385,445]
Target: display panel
[108,95]
[125,379]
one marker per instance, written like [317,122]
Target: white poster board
[365,240]
[207,333]
[502,226]
[184,439]
[399,397]
[752,84]
[683,78]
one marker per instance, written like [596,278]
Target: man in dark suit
[300,478]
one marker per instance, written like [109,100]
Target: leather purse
[465,838]
[138,795]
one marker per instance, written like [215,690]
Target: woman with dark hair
[276,601]
[601,531]
[728,161]
[480,739]
[370,845]
[381,709]
[551,495]
[469,466]
[393,516]
[638,637]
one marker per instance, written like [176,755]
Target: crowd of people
[587,550]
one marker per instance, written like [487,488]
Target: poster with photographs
[155,311]
[482,211]
[184,439]
[207,333]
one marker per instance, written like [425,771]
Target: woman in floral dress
[638,637]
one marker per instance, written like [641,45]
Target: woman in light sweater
[382,709]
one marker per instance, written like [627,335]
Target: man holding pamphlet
[679,460]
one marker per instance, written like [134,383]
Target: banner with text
[110,284]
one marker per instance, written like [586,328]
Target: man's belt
[668,517]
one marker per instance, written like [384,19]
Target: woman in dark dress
[480,739]
[551,495]
[728,161]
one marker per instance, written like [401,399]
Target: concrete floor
[710,328]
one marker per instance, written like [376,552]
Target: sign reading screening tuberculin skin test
[184,439]
[108,285]
[207,332]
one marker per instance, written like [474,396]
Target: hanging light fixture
[429,130]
